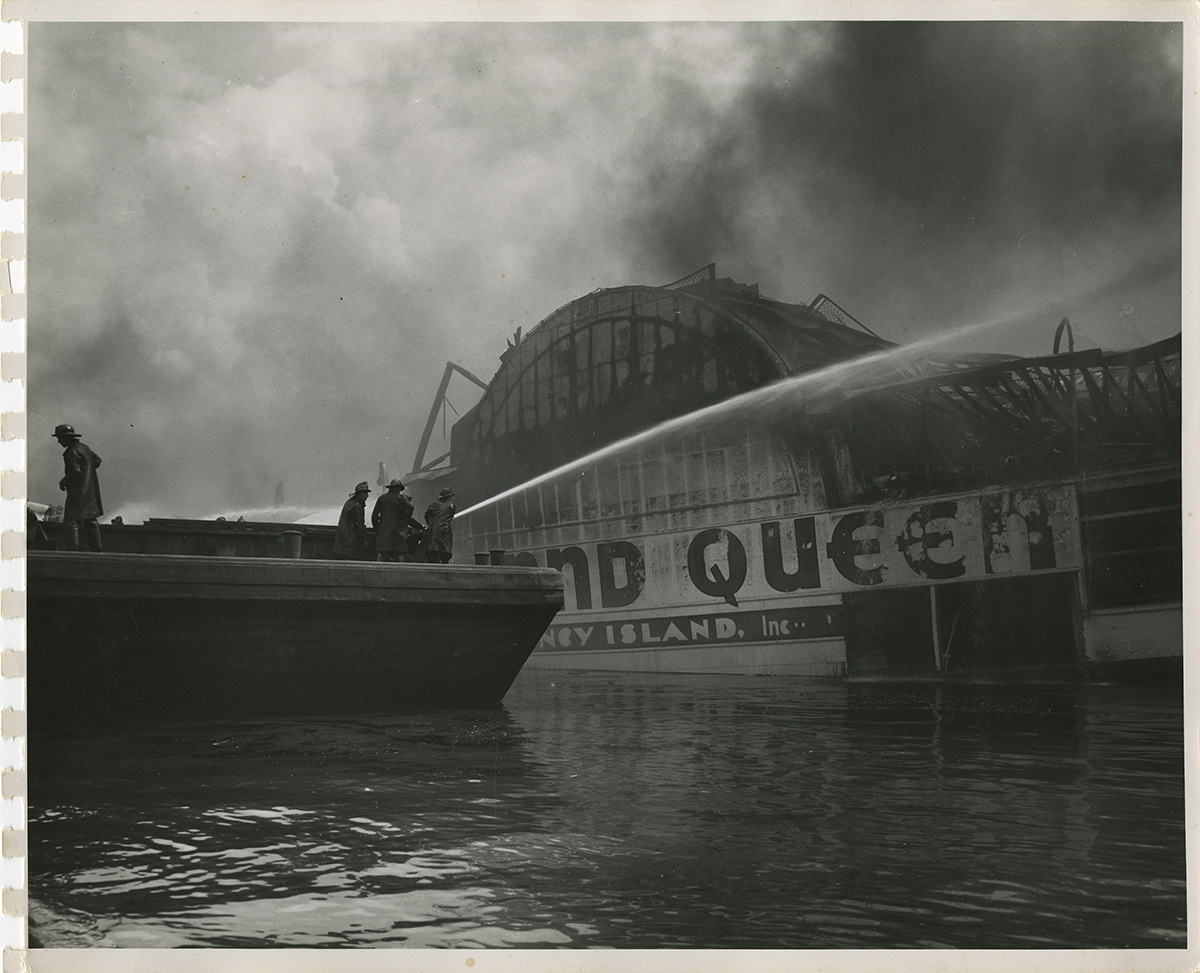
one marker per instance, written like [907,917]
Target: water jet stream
[861,372]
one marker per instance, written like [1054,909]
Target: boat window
[649,353]
[761,467]
[675,474]
[621,340]
[514,411]
[717,468]
[528,403]
[520,513]
[562,397]
[1133,537]
[535,506]
[654,490]
[566,495]
[483,521]
[564,358]
[589,504]
[804,480]
[504,517]
[738,471]
[609,489]
[622,370]
[631,488]
[697,480]
[582,384]
[601,363]
[500,426]
[545,399]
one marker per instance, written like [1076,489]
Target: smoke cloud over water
[253,247]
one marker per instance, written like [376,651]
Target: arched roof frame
[716,308]
[586,313]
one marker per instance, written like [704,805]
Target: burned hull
[177,637]
[807,499]
[997,584]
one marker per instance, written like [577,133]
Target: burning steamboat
[738,485]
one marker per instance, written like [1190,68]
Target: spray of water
[283,514]
[843,377]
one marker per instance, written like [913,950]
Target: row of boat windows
[1133,537]
[561,371]
[657,479]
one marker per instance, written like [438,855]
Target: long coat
[351,537]
[390,518]
[438,515]
[79,479]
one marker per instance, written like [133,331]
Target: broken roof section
[804,336]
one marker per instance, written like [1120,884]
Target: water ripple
[640,812]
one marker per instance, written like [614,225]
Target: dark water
[610,811]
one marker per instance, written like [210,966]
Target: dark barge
[214,635]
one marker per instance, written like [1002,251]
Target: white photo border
[13,135]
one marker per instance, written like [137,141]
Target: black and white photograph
[610,478]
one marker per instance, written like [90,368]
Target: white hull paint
[1134,634]
[822,658]
[707,599]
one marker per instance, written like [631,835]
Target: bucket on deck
[481,557]
[290,542]
[497,556]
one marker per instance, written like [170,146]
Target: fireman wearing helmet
[350,541]
[439,515]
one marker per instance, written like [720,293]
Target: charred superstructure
[627,358]
[897,514]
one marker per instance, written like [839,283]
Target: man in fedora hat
[438,516]
[83,506]
[390,518]
[350,541]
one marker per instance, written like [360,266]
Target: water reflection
[600,810]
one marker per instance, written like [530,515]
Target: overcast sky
[253,247]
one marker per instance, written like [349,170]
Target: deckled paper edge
[13,781]
[12,492]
